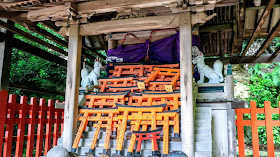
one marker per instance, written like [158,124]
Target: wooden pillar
[231,114]
[72,86]
[187,100]
[6,49]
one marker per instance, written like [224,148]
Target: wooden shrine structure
[91,25]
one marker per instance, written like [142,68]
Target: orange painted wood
[21,127]
[10,127]
[240,132]
[3,112]
[31,128]
[40,130]
[254,123]
[269,128]
[255,133]
[139,70]
[49,126]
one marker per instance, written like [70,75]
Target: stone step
[203,146]
[173,145]
[202,123]
[203,116]
[203,131]
[202,110]
[83,150]
[203,154]
[203,137]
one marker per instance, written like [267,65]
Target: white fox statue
[91,78]
[214,74]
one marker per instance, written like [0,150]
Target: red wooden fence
[254,123]
[26,124]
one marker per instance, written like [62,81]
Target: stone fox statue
[214,74]
[91,78]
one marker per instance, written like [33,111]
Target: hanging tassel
[147,58]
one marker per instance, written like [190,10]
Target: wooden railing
[254,123]
[32,127]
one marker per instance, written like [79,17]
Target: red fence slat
[21,126]
[49,127]
[3,112]
[31,128]
[240,133]
[40,130]
[255,133]
[10,127]
[269,128]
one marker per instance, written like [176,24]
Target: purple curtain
[166,50]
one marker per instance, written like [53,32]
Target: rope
[133,36]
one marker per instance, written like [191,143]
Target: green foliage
[264,86]
[33,71]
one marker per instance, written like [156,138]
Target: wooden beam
[65,44]
[35,89]
[47,13]
[264,58]
[112,5]
[276,52]
[72,86]
[18,44]
[50,36]
[5,57]
[214,28]
[262,7]
[31,37]
[187,99]
[95,7]
[265,14]
[268,40]
[261,35]
[127,25]
[141,34]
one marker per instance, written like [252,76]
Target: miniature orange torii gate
[149,99]
[139,70]
[116,82]
[88,116]
[162,119]
[120,89]
[147,135]
[101,100]
[162,71]
[100,119]
[152,110]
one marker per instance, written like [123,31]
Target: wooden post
[5,57]
[72,86]
[111,44]
[230,114]
[230,84]
[187,108]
